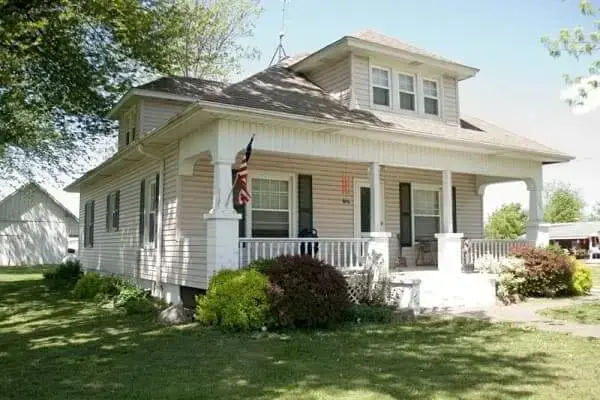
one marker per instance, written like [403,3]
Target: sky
[518,86]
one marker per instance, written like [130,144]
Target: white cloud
[585,95]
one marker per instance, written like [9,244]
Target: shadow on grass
[54,348]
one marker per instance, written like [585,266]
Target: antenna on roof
[280,53]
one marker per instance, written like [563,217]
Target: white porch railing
[476,248]
[339,252]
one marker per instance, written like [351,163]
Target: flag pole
[231,190]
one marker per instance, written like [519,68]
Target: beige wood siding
[156,112]
[334,79]
[360,81]
[450,100]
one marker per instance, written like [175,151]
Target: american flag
[242,176]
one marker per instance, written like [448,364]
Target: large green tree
[507,222]
[582,43]
[64,63]
[562,203]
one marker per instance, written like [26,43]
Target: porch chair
[427,252]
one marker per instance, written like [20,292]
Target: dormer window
[129,122]
[380,78]
[431,97]
[406,88]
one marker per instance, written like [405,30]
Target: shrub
[512,278]
[262,264]
[363,313]
[88,287]
[581,282]
[305,292]
[65,276]
[549,271]
[140,305]
[235,300]
[368,287]
[487,264]
[128,292]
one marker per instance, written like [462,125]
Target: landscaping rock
[176,315]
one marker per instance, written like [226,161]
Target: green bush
[363,313]
[88,287]
[235,300]
[65,276]
[581,282]
[140,305]
[306,293]
[511,280]
[549,271]
[262,264]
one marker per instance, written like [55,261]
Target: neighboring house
[362,140]
[582,236]
[35,228]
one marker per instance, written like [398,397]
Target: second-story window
[406,88]
[381,86]
[431,97]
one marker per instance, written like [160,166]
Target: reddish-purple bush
[549,272]
[306,292]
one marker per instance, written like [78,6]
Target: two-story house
[362,140]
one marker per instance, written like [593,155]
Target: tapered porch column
[379,241]
[537,229]
[449,243]
[222,250]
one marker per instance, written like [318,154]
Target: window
[112,211]
[270,207]
[427,213]
[129,122]
[381,86]
[88,224]
[148,215]
[431,97]
[406,88]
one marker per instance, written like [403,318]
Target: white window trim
[360,183]
[149,180]
[89,222]
[415,91]
[389,87]
[438,98]
[111,210]
[423,186]
[292,199]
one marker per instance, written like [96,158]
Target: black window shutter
[108,212]
[86,222]
[156,198]
[117,213]
[92,223]
[141,213]
[454,227]
[305,203]
[239,208]
[405,215]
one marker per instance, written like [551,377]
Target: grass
[595,274]
[587,313]
[52,347]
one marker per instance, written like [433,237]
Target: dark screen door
[365,209]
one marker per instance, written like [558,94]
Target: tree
[507,222]
[581,43]
[64,63]
[563,203]
[595,214]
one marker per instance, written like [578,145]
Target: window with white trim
[130,122]
[431,98]
[271,207]
[380,82]
[112,211]
[149,198]
[407,92]
[88,224]
[426,213]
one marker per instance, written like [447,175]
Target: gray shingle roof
[574,230]
[279,89]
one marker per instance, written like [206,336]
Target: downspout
[159,217]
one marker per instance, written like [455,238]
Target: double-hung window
[270,207]
[148,215]
[380,80]
[130,121]
[431,97]
[407,92]
[427,212]
[112,211]
[88,224]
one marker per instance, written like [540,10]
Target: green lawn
[596,275]
[588,313]
[54,348]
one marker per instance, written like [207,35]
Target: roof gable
[38,188]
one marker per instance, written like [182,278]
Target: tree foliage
[507,222]
[562,203]
[579,43]
[595,214]
[64,63]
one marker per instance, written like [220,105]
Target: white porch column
[537,230]
[376,211]
[447,223]
[449,243]
[222,250]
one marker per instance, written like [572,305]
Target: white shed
[35,228]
